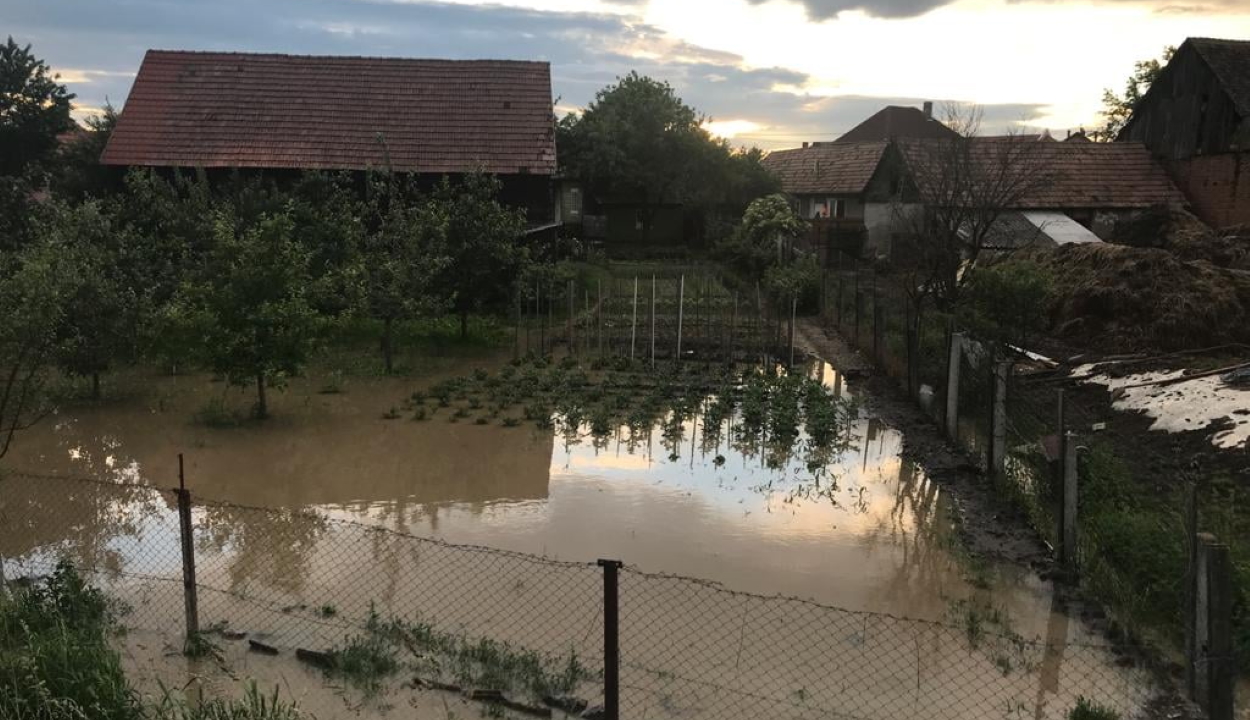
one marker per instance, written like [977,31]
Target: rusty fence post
[1214,679]
[187,532]
[611,639]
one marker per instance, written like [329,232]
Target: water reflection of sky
[864,529]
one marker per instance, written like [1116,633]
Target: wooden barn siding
[1170,120]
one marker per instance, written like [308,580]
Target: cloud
[99,46]
[820,10]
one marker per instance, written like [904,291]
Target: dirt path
[989,528]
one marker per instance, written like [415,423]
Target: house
[1195,118]
[1095,185]
[866,191]
[282,114]
[897,121]
[845,188]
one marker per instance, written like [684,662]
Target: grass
[218,414]
[384,648]
[58,662]
[1090,710]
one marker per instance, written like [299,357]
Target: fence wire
[689,648]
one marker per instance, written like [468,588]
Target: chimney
[805,145]
[928,109]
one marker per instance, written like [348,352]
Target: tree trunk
[95,385]
[464,324]
[262,407]
[388,347]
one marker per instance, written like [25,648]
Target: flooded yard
[855,530]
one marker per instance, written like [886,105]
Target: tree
[1116,109]
[35,284]
[34,109]
[101,322]
[250,308]
[401,256]
[481,240]
[763,238]
[965,185]
[638,142]
[77,173]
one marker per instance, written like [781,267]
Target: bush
[1089,710]
[1007,302]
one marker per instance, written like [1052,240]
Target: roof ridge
[299,56]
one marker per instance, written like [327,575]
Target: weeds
[1090,710]
[216,413]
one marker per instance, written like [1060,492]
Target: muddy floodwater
[875,536]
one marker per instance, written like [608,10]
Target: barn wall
[1218,187]
[1186,112]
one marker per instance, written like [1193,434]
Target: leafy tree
[401,257]
[250,308]
[35,286]
[763,238]
[34,109]
[481,240]
[101,323]
[638,142]
[1116,109]
[77,173]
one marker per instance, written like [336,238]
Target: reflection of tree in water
[270,547]
[77,518]
[778,420]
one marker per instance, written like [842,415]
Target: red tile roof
[832,168]
[194,109]
[1082,175]
[897,121]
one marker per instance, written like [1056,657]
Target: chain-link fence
[541,630]
[1082,471]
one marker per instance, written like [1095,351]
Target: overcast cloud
[99,45]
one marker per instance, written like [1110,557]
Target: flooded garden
[761,514]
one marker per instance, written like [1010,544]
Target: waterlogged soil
[882,535]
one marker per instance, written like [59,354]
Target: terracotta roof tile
[834,168]
[286,111]
[1084,175]
[897,121]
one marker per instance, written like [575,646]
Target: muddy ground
[988,527]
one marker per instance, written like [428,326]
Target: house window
[839,209]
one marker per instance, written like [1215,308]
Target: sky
[772,73]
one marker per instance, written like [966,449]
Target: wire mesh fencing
[539,629]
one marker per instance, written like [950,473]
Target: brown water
[877,538]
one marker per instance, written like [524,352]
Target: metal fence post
[1213,674]
[611,639]
[1068,508]
[998,421]
[188,555]
[952,385]
[1191,589]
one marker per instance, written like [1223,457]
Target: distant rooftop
[834,168]
[896,121]
[209,109]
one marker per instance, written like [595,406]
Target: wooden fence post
[681,308]
[571,341]
[794,307]
[653,321]
[633,325]
[1191,590]
[1070,502]
[1213,671]
[998,420]
[954,361]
